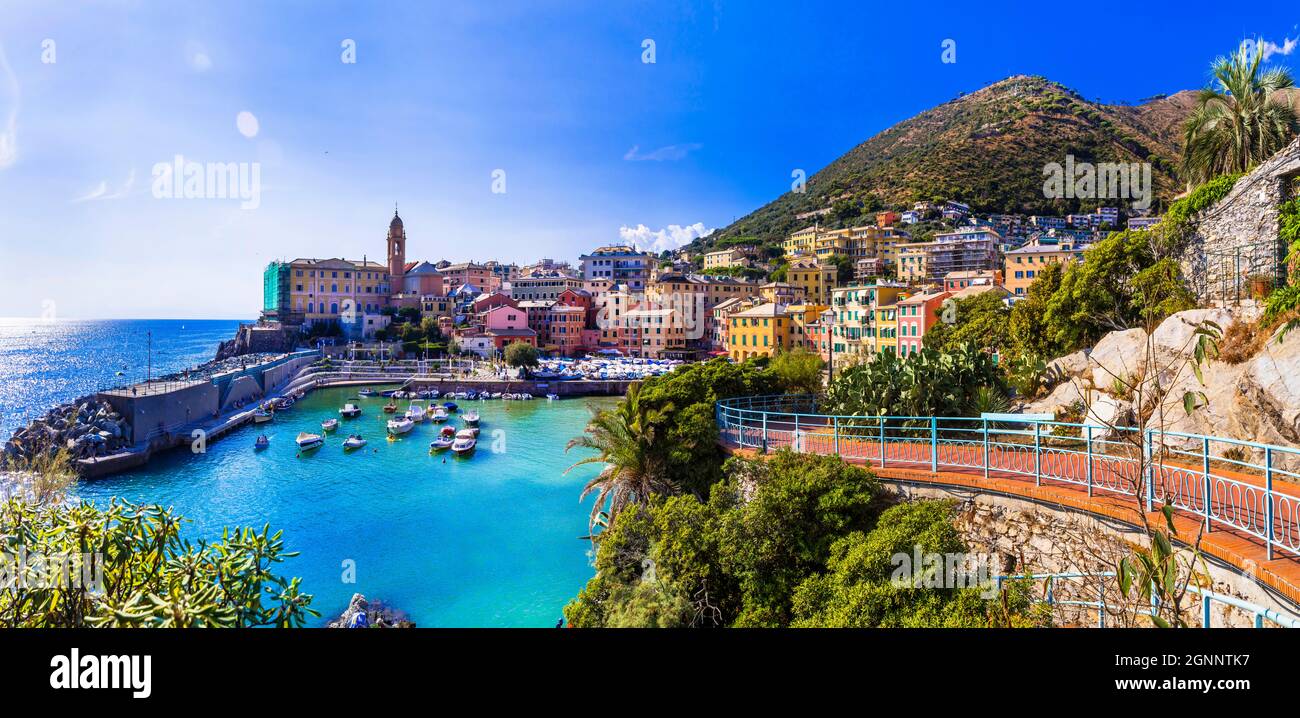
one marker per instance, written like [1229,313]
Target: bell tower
[396,253]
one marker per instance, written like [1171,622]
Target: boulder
[1119,354]
[1070,366]
[1106,411]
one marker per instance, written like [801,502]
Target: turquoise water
[488,540]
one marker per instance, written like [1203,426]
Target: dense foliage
[856,591]
[798,370]
[926,383]
[981,320]
[758,553]
[148,575]
[521,354]
[1119,284]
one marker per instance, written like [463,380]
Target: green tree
[982,320]
[1028,319]
[625,441]
[860,588]
[521,354]
[844,269]
[799,370]
[926,383]
[1241,122]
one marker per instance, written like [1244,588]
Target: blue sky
[594,142]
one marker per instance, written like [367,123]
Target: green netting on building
[275,287]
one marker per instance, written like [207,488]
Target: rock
[1106,411]
[377,615]
[1120,355]
[1070,366]
[1175,337]
[1059,400]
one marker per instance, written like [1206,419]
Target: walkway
[1250,519]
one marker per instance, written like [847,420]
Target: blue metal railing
[1226,483]
[1259,614]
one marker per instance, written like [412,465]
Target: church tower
[396,253]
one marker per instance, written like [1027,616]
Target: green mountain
[987,149]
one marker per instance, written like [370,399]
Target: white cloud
[669,153]
[669,238]
[1269,49]
[9,130]
[100,191]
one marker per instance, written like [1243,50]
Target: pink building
[916,314]
[505,317]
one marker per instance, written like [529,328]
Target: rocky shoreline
[373,614]
[86,428]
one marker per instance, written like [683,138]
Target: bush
[926,383]
[149,575]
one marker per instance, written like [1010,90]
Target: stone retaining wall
[1238,237]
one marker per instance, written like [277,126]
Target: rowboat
[329,424]
[445,439]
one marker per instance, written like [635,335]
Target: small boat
[552,397]
[445,439]
[472,429]
[470,418]
[450,406]
[415,412]
[388,394]
[353,442]
[367,392]
[261,443]
[350,411]
[400,426]
[439,414]
[465,442]
[284,403]
[262,416]
[329,424]
[390,408]
[307,441]
[433,394]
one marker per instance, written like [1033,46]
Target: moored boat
[400,426]
[261,443]
[415,412]
[329,424]
[350,411]
[470,418]
[445,439]
[353,442]
[367,392]
[450,406]
[262,416]
[307,441]
[439,414]
[465,442]
[390,408]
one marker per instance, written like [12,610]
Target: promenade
[1244,509]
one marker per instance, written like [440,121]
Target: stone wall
[1028,537]
[1238,237]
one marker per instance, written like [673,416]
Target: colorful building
[1022,266]
[916,314]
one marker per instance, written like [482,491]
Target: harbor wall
[151,415]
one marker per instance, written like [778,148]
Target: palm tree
[624,438]
[1242,122]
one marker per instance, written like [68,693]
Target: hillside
[987,149]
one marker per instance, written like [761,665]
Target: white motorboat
[353,442]
[307,441]
[439,414]
[329,424]
[465,442]
[400,426]
[350,411]
[415,412]
[470,418]
[445,439]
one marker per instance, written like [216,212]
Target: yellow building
[781,293]
[1022,266]
[334,289]
[730,257]
[760,331]
[883,332]
[814,277]
[856,243]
